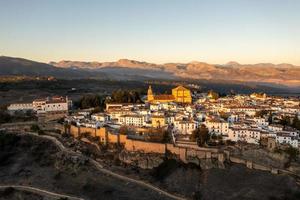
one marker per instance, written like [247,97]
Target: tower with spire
[150,96]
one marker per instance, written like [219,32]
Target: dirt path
[40,191]
[106,171]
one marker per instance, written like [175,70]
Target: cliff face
[141,160]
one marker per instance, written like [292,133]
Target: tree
[261,113]
[214,136]
[270,118]
[296,123]
[285,121]
[224,115]
[123,130]
[35,128]
[4,117]
[90,101]
[292,152]
[166,137]
[124,96]
[200,135]
[97,110]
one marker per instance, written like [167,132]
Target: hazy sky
[213,31]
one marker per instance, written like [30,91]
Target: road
[108,172]
[39,191]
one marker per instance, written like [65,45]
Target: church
[179,94]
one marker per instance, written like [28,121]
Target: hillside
[124,69]
[33,161]
[20,66]
[285,74]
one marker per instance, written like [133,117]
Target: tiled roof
[180,88]
[164,97]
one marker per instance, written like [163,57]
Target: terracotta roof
[56,101]
[164,97]
[158,116]
[180,87]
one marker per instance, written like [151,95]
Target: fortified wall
[185,153]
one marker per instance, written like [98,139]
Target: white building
[20,107]
[53,104]
[132,120]
[275,127]
[233,118]
[249,135]
[286,138]
[291,110]
[89,124]
[185,126]
[260,121]
[100,117]
[217,126]
[250,111]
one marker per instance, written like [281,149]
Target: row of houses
[44,105]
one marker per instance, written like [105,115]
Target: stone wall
[18,126]
[261,167]
[104,135]
[184,152]
[146,147]
[237,160]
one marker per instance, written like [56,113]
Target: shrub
[292,153]
[200,135]
[166,137]
[7,191]
[35,128]
[8,139]
[165,168]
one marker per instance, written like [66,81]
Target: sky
[159,31]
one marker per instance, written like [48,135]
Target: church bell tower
[150,96]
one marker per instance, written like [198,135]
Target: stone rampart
[184,152]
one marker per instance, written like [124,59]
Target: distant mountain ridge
[262,72]
[124,69]
[20,66]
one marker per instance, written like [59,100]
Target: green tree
[166,137]
[261,113]
[123,130]
[35,128]
[285,121]
[296,123]
[224,115]
[97,110]
[4,117]
[90,101]
[200,135]
[270,118]
[292,152]
[124,96]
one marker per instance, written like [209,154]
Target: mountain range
[285,74]
[124,69]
